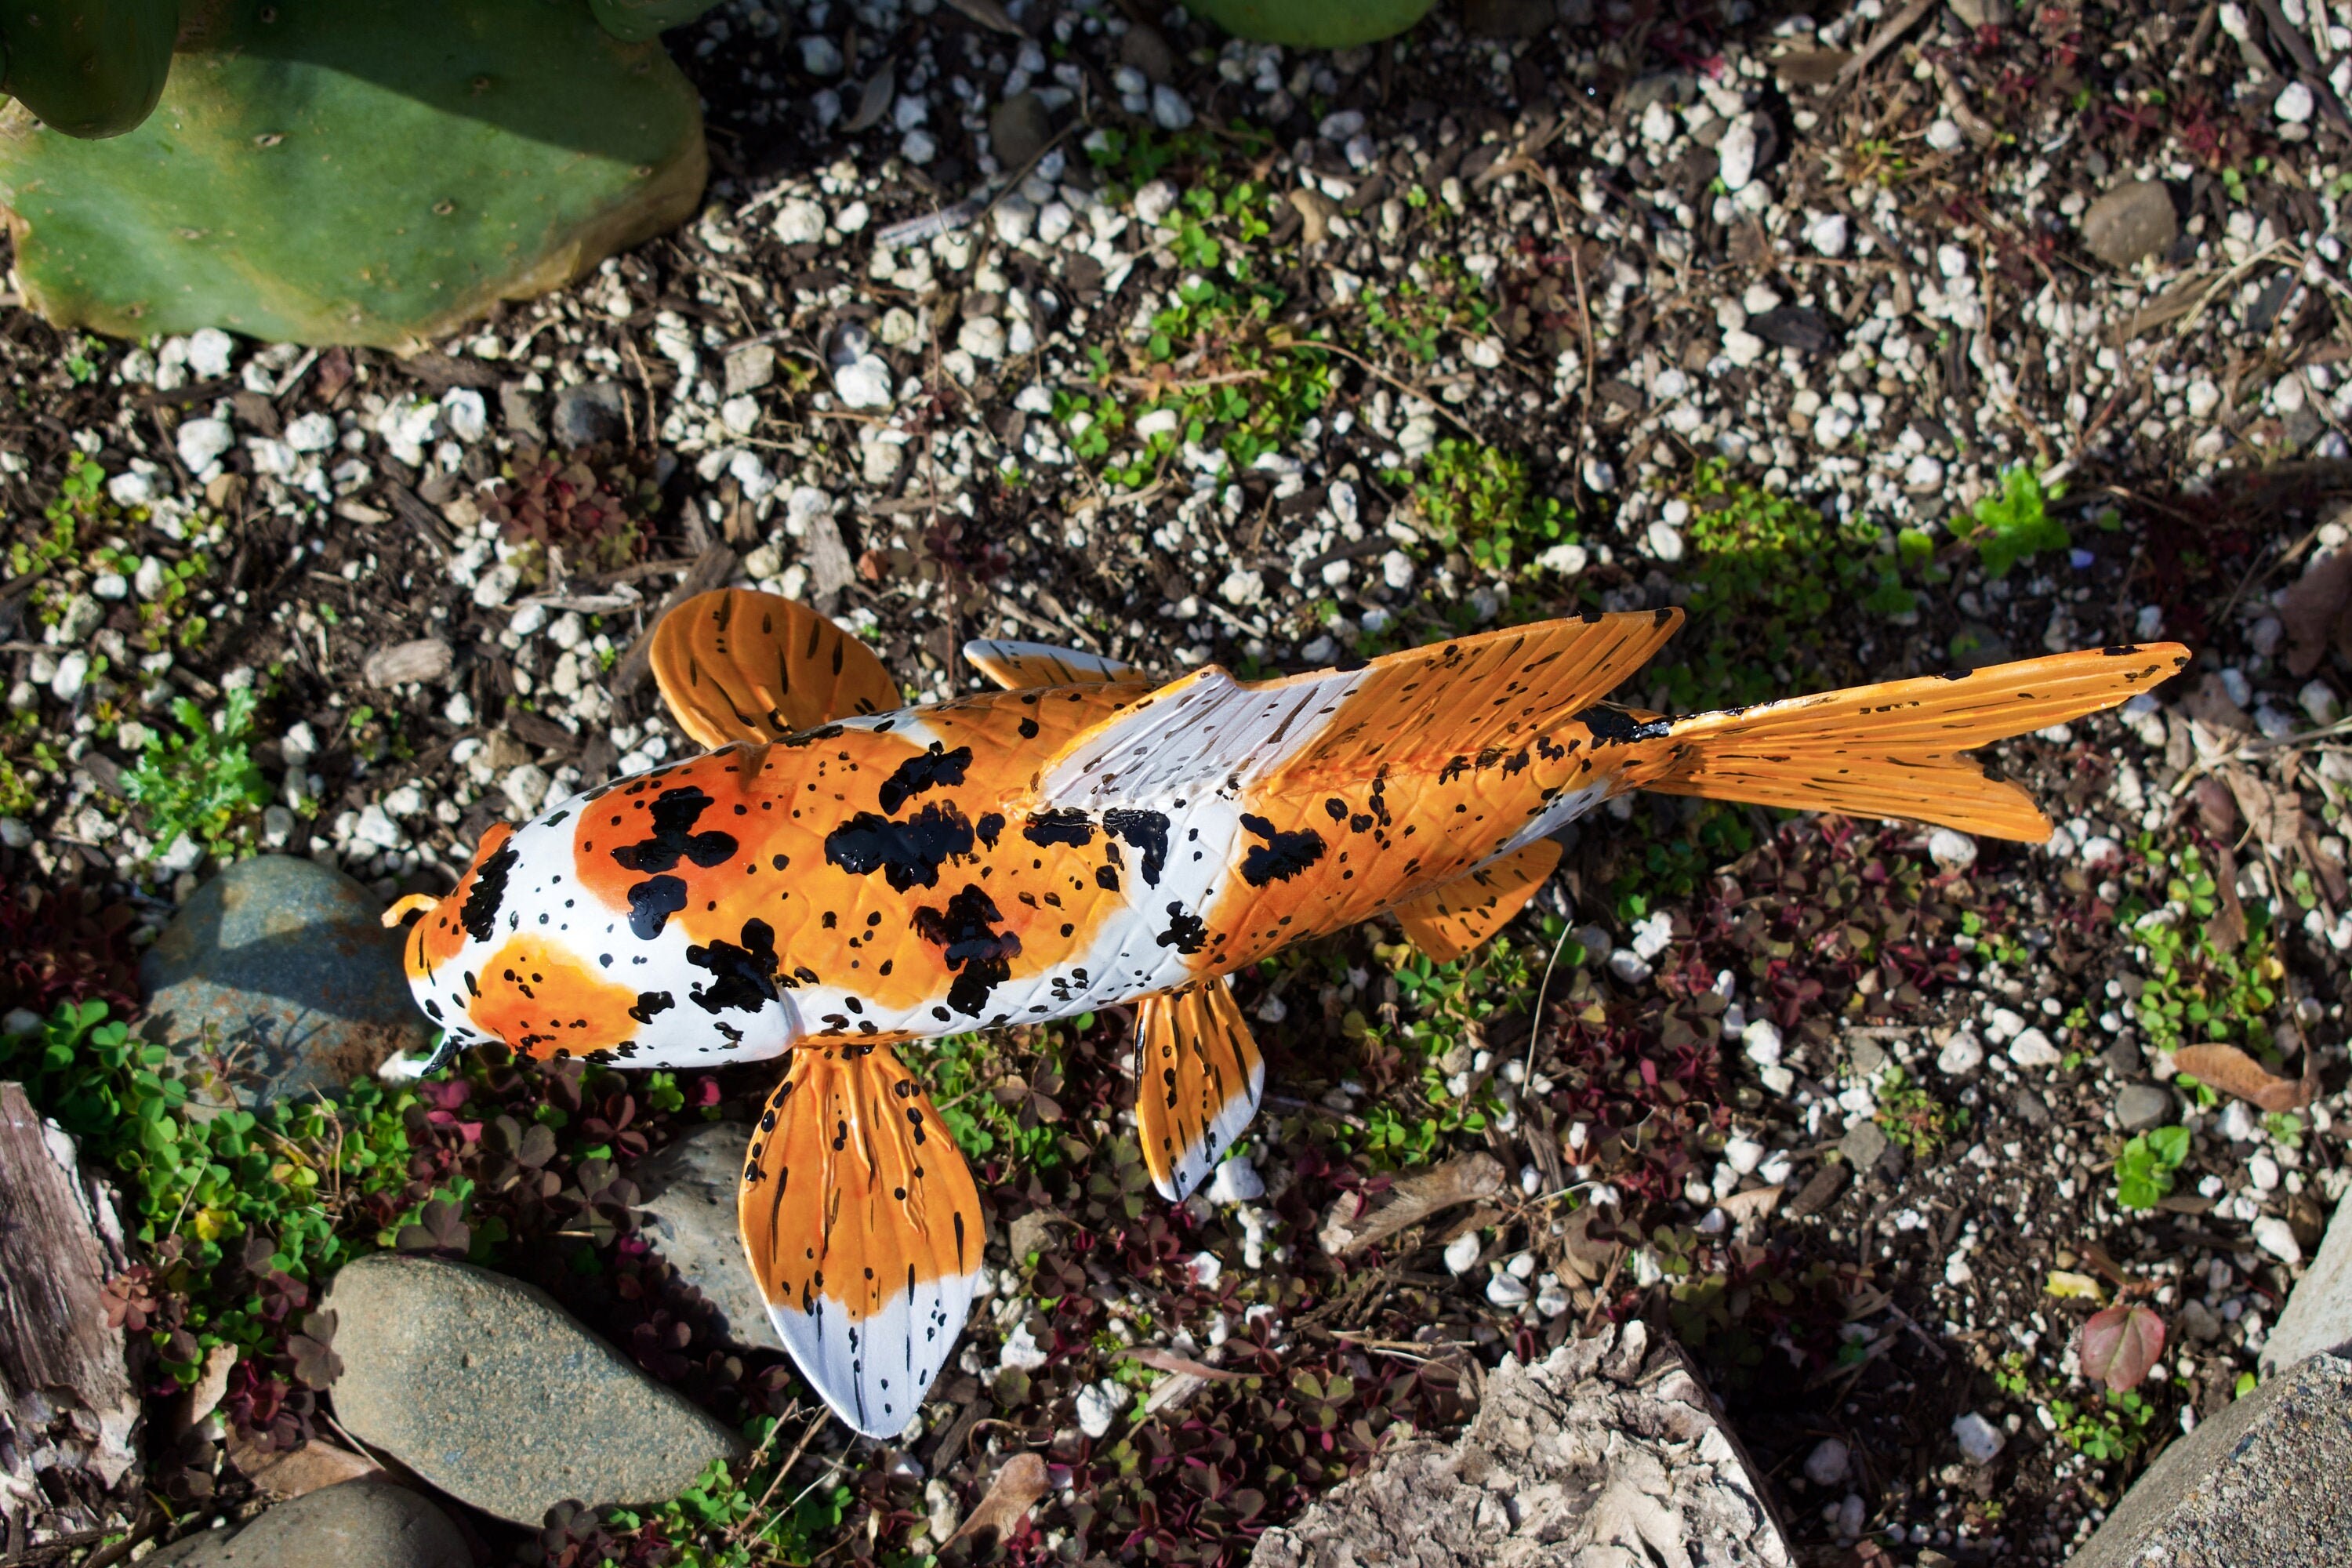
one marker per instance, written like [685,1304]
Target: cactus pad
[88,67]
[369,171]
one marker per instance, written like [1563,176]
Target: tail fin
[1893,748]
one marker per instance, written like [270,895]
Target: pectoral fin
[864,1230]
[1448,921]
[1198,1076]
[739,665]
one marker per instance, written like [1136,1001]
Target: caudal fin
[1893,749]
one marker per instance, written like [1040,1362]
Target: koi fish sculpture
[841,876]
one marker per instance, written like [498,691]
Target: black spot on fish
[1028,729]
[988,828]
[1064,827]
[1187,932]
[909,854]
[1615,727]
[480,911]
[650,1003]
[1282,855]
[744,976]
[652,902]
[1106,878]
[980,955]
[926,771]
[675,812]
[1146,831]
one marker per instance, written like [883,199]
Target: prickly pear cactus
[369,172]
[1314,24]
[88,67]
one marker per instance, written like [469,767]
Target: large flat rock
[2265,1484]
[280,968]
[490,1391]
[2318,1315]
[357,1524]
[689,1194]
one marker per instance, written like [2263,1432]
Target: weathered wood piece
[67,1403]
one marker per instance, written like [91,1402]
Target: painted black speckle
[1064,827]
[652,902]
[980,955]
[1143,830]
[480,911]
[650,1003]
[926,771]
[675,812]
[744,975]
[909,854]
[1282,855]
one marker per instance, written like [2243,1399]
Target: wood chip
[398,664]
[1460,1180]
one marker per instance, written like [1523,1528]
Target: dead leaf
[2227,927]
[1169,1360]
[1019,1484]
[1587,1255]
[1348,1229]
[286,1474]
[2318,612]
[1751,1207]
[2275,815]
[2208,704]
[2217,809]
[2070,1286]
[2120,1345]
[2233,1072]
[211,1384]
[873,100]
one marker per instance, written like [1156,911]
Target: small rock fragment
[1951,851]
[2141,1106]
[398,664]
[1019,129]
[1826,1464]
[2131,223]
[1979,1440]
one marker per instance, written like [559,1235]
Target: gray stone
[2318,1315]
[1609,1451]
[356,1524]
[492,1393]
[281,970]
[591,413]
[750,368]
[518,408]
[1667,86]
[2129,223]
[1980,13]
[1863,1145]
[689,1190]
[1144,48]
[1019,129]
[2122,1057]
[2141,1106]
[1865,1055]
[2030,1106]
[2260,1485]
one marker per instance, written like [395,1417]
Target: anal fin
[1198,1076]
[1448,921]
[864,1230]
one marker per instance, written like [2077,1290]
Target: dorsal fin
[739,665]
[1016,666]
